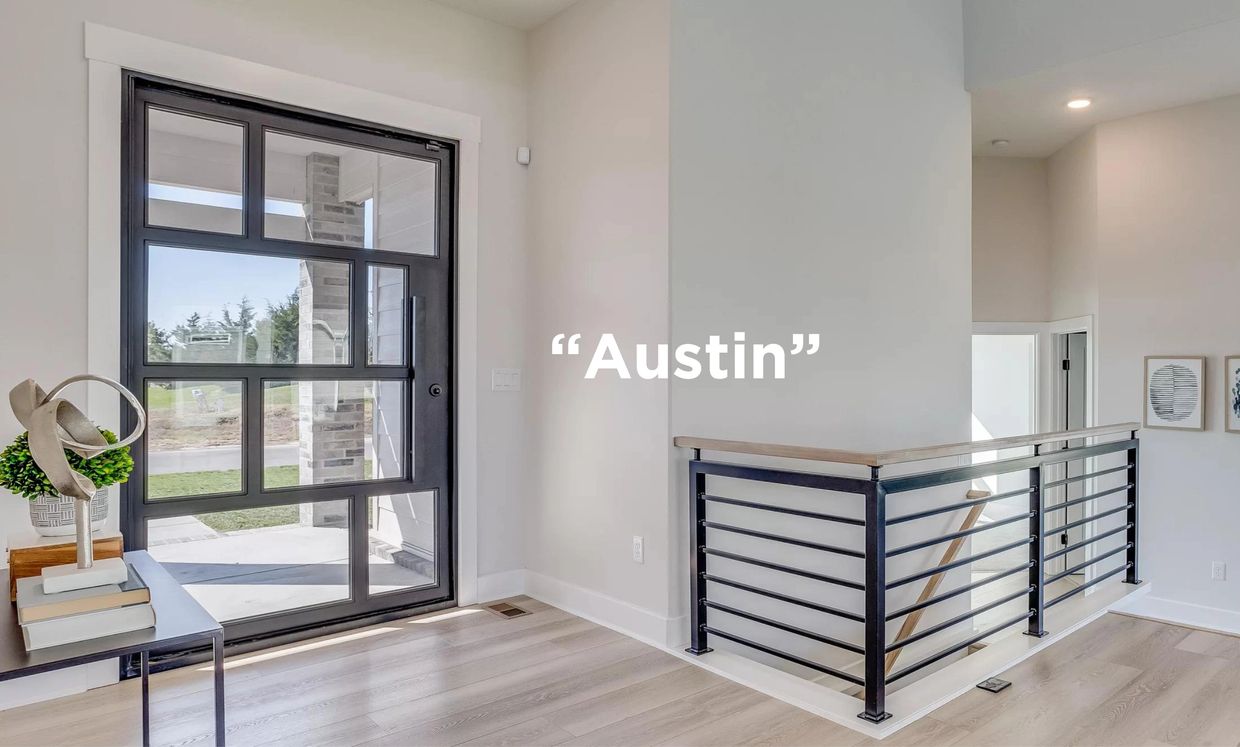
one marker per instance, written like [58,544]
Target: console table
[180,622]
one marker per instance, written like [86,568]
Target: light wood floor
[470,677]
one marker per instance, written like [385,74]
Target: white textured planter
[52,515]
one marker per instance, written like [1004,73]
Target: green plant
[19,473]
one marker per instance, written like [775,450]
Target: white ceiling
[519,14]
[1165,62]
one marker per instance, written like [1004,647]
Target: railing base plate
[1041,634]
[699,651]
[874,719]
[1134,582]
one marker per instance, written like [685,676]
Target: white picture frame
[1174,392]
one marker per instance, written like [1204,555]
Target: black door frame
[430,438]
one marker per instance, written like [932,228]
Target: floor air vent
[504,609]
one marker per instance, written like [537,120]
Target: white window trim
[109,51]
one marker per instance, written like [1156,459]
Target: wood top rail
[882,458]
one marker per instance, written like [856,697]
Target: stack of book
[82,614]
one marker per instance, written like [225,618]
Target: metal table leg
[217,649]
[146,698]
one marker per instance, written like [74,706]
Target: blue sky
[184,281]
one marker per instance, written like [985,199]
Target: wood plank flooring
[470,677]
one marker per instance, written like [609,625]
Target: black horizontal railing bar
[784,598]
[786,627]
[934,478]
[958,591]
[956,647]
[783,510]
[1088,542]
[1086,520]
[1082,566]
[784,568]
[787,657]
[957,535]
[957,620]
[1086,499]
[957,563]
[779,538]
[957,506]
[1089,476]
[814,480]
[1094,582]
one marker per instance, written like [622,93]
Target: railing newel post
[1134,472]
[697,557]
[1037,551]
[875,600]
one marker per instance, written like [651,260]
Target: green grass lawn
[179,484]
[251,518]
[161,398]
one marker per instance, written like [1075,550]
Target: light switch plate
[505,379]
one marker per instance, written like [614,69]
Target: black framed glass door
[287,321]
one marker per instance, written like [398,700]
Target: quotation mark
[798,343]
[557,344]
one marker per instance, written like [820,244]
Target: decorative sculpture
[54,425]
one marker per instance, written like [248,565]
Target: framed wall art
[1174,392]
[1231,369]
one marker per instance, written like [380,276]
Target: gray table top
[179,619]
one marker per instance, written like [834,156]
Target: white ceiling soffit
[1029,111]
[517,14]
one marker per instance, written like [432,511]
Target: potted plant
[52,513]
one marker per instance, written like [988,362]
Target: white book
[88,625]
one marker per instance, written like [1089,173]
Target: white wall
[1169,267]
[599,263]
[1012,38]
[1011,240]
[413,49]
[821,184]
[1073,183]
[803,201]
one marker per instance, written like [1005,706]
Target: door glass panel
[194,172]
[256,561]
[349,196]
[224,307]
[193,438]
[320,432]
[385,315]
[402,541]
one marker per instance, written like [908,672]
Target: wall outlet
[1218,571]
[639,549]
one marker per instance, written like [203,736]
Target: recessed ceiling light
[1079,103]
[999,142]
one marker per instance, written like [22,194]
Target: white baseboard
[631,620]
[1187,614]
[57,684]
[500,585]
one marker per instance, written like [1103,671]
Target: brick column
[331,428]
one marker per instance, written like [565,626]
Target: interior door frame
[287,625]
[1050,392]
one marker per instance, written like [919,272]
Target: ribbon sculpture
[54,425]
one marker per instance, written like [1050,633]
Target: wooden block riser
[30,561]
